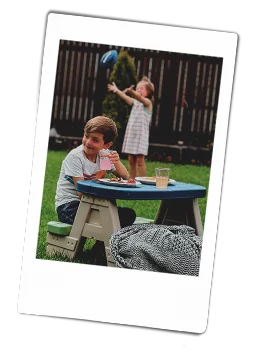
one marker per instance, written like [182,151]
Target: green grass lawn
[185,173]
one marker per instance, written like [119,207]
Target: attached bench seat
[59,228]
[142,220]
[64,229]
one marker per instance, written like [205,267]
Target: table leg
[102,221]
[180,211]
[96,218]
[70,245]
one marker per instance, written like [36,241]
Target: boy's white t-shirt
[77,165]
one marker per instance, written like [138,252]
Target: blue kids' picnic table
[97,215]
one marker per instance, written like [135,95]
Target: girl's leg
[141,165]
[132,165]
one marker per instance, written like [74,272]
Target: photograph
[129,157]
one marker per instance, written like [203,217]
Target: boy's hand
[120,169]
[114,157]
[112,87]
[100,174]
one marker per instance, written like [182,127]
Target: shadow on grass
[90,252]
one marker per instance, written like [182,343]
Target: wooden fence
[186,91]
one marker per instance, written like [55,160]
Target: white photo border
[96,293]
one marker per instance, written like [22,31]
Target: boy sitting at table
[83,163]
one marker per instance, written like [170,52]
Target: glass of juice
[162,177]
[105,163]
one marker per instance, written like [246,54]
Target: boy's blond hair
[102,125]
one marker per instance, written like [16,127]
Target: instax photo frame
[147,299]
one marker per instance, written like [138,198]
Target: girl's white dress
[136,138]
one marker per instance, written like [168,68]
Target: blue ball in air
[109,59]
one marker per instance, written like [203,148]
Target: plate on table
[152,180]
[122,182]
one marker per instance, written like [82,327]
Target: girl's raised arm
[145,101]
[113,88]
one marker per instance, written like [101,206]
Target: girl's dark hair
[149,86]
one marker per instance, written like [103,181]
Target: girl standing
[136,138]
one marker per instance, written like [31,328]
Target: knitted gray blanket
[161,248]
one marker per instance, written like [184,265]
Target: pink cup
[105,163]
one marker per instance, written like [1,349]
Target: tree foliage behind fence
[124,75]
[186,91]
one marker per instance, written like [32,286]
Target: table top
[144,192]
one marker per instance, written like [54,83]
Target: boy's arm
[113,88]
[121,170]
[75,180]
[73,166]
[99,175]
